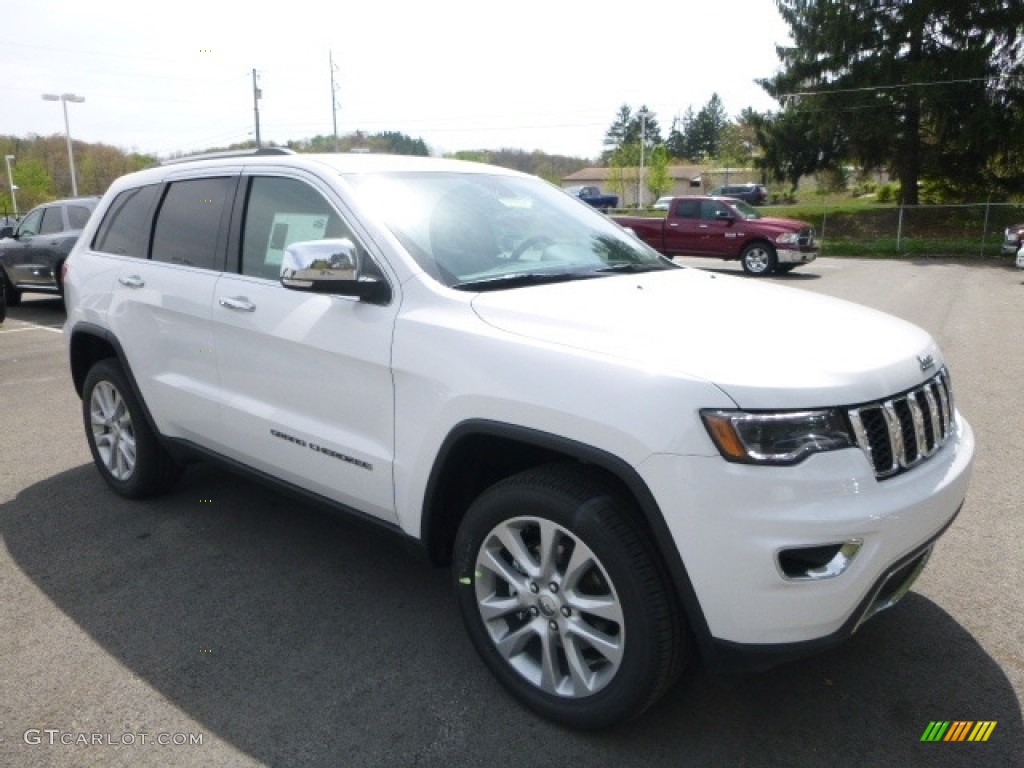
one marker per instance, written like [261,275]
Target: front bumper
[796,256]
[731,521]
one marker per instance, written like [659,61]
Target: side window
[53,221]
[126,224]
[30,226]
[688,209]
[78,216]
[188,222]
[280,212]
[709,209]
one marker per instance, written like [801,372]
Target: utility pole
[256,96]
[334,93]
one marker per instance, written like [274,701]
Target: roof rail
[262,151]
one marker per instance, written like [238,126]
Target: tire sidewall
[624,695]
[772,259]
[144,477]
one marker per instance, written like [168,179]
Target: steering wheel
[537,241]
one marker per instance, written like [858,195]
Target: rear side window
[78,216]
[188,224]
[688,209]
[53,221]
[125,227]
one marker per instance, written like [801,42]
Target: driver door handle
[131,281]
[238,303]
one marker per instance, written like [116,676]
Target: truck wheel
[125,449]
[563,598]
[759,259]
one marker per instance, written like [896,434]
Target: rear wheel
[125,449]
[759,259]
[563,597]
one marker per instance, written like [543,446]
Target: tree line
[929,91]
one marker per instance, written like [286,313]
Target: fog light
[822,562]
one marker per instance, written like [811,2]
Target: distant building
[686,180]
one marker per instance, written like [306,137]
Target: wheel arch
[478,453]
[89,345]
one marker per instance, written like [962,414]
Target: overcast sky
[532,74]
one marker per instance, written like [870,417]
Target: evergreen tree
[928,88]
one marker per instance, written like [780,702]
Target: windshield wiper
[633,268]
[520,279]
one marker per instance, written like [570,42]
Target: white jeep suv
[615,463]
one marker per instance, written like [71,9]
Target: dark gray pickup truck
[33,252]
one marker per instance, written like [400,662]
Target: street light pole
[642,114]
[64,98]
[10,181]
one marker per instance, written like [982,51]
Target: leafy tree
[927,88]
[624,173]
[657,179]
[35,185]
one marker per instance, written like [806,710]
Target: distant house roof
[602,174]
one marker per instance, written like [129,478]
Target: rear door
[683,230]
[160,306]
[306,382]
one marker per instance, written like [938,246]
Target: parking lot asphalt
[226,625]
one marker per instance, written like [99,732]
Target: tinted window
[188,223]
[53,221]
[125,227]
[281,212]
[78,216]
[688,209]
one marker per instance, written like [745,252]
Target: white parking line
[33,327]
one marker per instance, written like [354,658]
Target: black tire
[125,449]
[599,603]
[759,259]
[12,296]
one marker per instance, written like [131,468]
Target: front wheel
[563,597]
[759,259]
[126,451]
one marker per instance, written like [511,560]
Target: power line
[920,84]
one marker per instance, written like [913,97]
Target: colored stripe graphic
[958,730]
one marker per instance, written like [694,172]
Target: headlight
[776,438]
[788,237]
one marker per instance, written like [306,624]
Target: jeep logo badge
[926,361]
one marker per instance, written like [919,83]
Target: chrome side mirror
[331,266]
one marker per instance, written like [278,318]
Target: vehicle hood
[764,345]
[789,225]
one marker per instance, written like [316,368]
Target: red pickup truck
[728,229]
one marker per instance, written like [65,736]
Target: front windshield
[481,231]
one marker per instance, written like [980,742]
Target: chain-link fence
[976,230]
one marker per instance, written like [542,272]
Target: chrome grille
[898,433]
[806,236]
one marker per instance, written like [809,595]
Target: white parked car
[1020,257]
[615,469]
